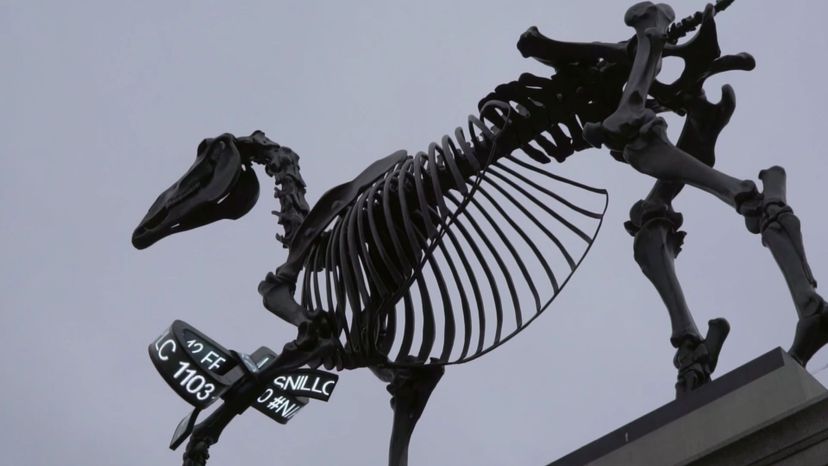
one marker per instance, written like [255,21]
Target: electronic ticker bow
[201,371]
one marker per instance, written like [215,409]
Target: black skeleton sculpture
[376,251]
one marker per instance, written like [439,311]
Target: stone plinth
[768,411]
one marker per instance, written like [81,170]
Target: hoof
[811,335]
[197,452]
[696,360]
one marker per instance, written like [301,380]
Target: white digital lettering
[293,383]
[281,404]
[208,390]
[292,411]
[276,403]
[160,339]
[161,354]
[194,383]
[195,344]
[315,383]
[214,363]
[287,409]
[265,396]
[305,384]
[280,382]
[184,366]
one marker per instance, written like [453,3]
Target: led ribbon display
[200,370]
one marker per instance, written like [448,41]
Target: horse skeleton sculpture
[368,247]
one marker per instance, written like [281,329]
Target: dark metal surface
[436,258]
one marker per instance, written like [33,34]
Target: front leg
[313,344]
[410,389]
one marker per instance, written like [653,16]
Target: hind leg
[780,231]
[767,214]
[640,134]
[410,389]
[655,227]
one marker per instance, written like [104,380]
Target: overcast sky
[105,102]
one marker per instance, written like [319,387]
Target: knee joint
[646,211]
[761,210]
[654,223]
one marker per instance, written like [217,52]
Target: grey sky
[105,102]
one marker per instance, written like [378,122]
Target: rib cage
[464,238]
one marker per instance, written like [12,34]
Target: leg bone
[780,230]
[410,389]
[306,349]
[650,22]
[657,242]
[696,360]
[653,154]
[555,53]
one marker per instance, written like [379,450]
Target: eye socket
[201,172]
